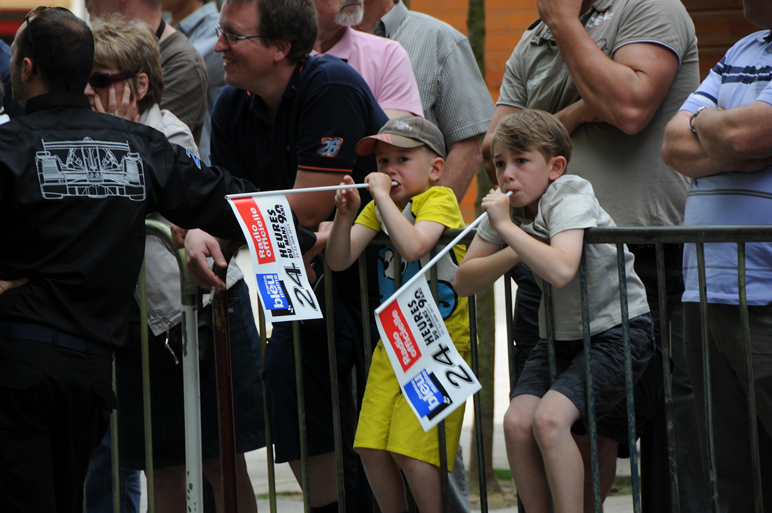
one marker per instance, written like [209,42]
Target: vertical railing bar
[442,441]
[224,380]
[666,339]
[331,355]
[509,316]
[365,306]
[754,436]
[712,476]
[301,416]
[147,411]
[623,304]
[550,318]
[510,321]
[590,395]
[477,407]
[364,302]
[397,284]
[268,436]
[114,454]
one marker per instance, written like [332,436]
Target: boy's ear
[559,164]
[438,165]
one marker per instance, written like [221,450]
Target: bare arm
[556,262]
[624,91]
[313,207]
[464,158]
[393,113]
[500,112]
[6,285]
[483,264]
[346,242]
[412,241]
[684,151]
[737,134]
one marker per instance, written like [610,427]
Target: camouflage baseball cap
[406,132]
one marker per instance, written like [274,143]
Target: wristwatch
[694,115]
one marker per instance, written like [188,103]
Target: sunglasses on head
[31,15]
[102,80]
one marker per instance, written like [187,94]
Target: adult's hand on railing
[6,285]
[178,236]
[199,245]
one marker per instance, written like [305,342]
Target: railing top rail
[645,235]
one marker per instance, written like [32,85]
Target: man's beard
[350,17]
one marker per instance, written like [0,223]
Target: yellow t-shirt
[439,205]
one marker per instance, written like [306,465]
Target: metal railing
[615,236]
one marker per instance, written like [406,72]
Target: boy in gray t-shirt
[542,224]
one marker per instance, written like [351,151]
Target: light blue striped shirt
[742,77]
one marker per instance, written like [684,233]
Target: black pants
[54,409]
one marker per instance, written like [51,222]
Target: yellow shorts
[387,422]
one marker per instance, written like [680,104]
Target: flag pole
[307,189]
[434,260]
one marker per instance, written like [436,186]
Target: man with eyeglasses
[289,120]
[75,186]
[185,75]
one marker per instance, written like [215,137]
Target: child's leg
[424,481]
[563,464]
[385,480]
[607,467]
[525,459]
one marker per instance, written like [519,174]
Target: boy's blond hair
[530,130]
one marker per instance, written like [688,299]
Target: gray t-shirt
[185,82]
[568,204]
[630,179]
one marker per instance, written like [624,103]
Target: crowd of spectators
[258,89]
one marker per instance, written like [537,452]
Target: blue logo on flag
[274,294]
[426,394]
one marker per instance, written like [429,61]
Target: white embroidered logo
[90,168]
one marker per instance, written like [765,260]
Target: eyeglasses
[34,12]
[102,80]
[232,39]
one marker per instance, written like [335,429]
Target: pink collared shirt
[384,65]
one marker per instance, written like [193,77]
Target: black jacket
[75,187]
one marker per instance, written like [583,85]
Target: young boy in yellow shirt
[414,213]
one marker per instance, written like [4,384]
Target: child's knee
[549,425]
[518,426]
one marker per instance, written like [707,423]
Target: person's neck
[374,11]
[272,89]
[185,10]
[328,37]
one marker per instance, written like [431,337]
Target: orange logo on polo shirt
[330,146]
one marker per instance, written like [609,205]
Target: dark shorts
[608,374]
[166,385]
[280,383]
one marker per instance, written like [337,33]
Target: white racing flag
[284,290]
[434,378]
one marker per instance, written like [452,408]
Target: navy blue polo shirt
[325,110]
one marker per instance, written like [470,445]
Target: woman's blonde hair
[132,48]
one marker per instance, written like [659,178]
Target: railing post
[590,395]
[332,355]
[754,435]
[712,476]
[477,408]
[268,436]
[224,378]
[628,377]
[667,380]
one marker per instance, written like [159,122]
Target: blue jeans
[99,486]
